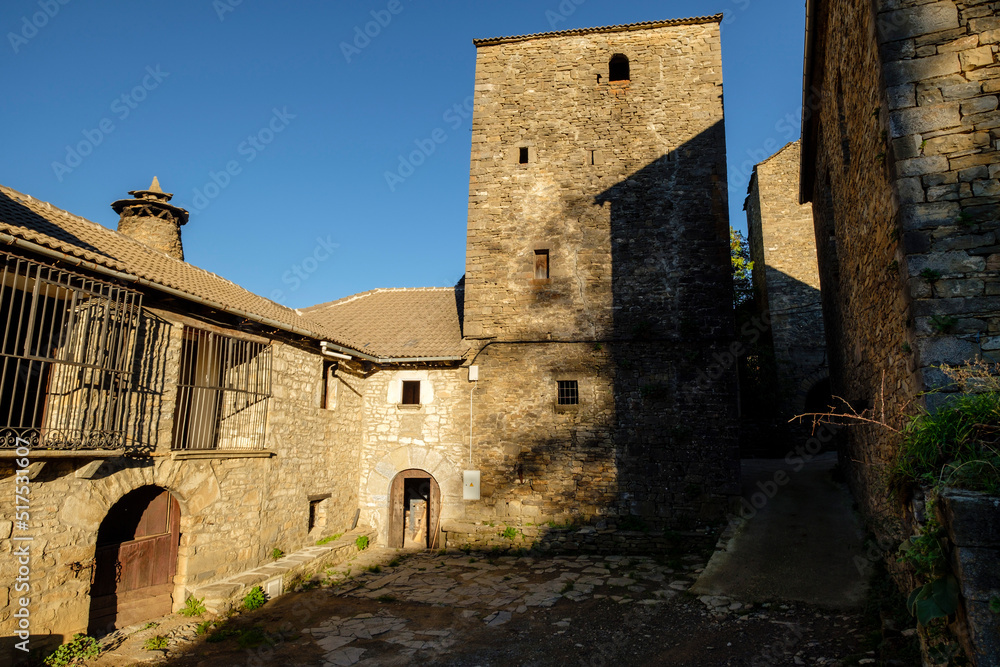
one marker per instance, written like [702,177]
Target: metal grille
[569,392]
[68,349]
[222,394]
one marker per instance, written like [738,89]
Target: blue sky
[277,137]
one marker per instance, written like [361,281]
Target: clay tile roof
[645,25]
[43,224]
[398,323]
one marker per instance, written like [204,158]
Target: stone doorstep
[224,595]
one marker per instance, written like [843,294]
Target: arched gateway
[135,561]
[414,510]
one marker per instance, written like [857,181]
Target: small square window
[523,158]
[541,265]
[569,392]
[411,392]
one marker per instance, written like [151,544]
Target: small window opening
[541,265]
[411,392]
[569,392]
[524,155]
[592,158]
[619,68]
[313,513]
[318,511]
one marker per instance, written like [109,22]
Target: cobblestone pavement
[395,608]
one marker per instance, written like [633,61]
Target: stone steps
[221,596]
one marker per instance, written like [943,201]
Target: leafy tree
[739,251]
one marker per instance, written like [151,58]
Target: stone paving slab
[469,601]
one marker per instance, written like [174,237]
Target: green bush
[255,599]
[79,649]
[955,446]
[361,543]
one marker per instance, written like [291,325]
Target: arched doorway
[135,561]
[819,397]
[414,510]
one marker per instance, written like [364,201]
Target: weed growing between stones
[277,553]
[361,543]
[193,607]
[328,539]
[79,649]
[157,643]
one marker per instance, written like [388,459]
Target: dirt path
[458,609]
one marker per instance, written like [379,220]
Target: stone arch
[192,484]
[619,68]
[806,386]
[135,559]
[374,498]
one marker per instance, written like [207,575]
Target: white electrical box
[473,373]
[470,486]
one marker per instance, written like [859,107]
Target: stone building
[787,289]
[157,420]
[581,373]
[596,294]
[901,161]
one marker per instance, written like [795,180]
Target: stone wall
[432,436]
[865,306]
[942,76]
[786,277]
[234,510]
[903,137]
[973,523]
[602,257]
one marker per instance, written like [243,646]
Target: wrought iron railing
[66,357]
[222,393]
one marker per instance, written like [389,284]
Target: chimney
[149,219]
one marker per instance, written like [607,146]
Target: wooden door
[133,579]
[397,509]
[434,511]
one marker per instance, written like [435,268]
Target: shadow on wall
[654,434]
[784,359]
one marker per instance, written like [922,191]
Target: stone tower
[149,219]
[786,284]
[598,290]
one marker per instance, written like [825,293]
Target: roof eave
[9,239]
[629,27]
[807,171]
